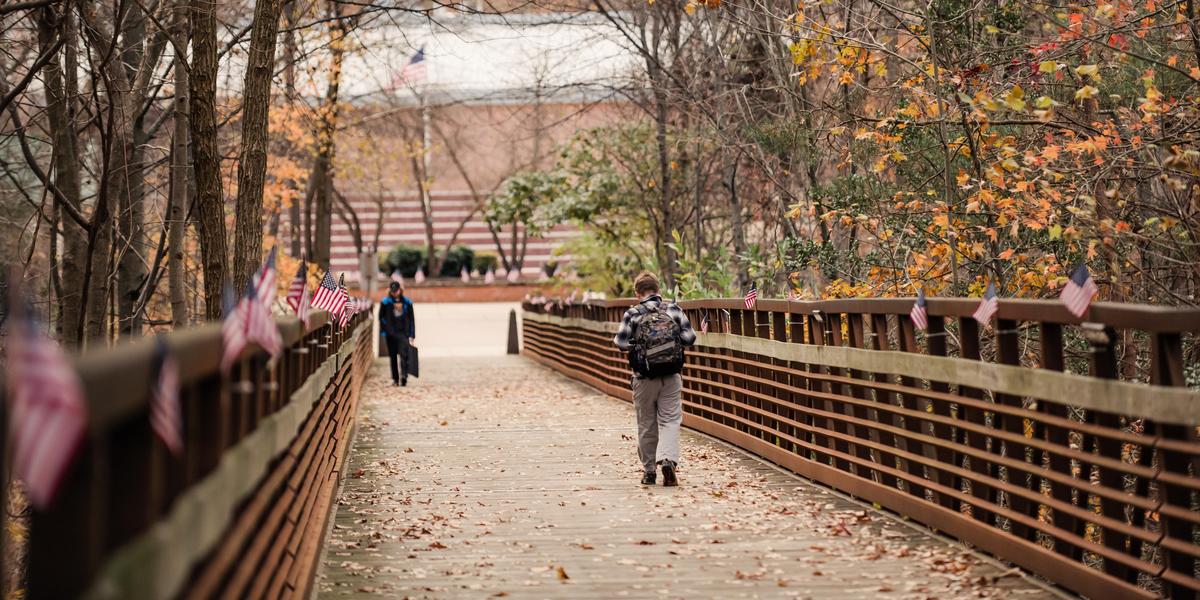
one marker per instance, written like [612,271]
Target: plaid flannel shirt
[687,335]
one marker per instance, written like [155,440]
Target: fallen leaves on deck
[534,481]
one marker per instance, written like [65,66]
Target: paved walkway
[463,329]
[496,477]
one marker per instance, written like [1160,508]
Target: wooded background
[824,149]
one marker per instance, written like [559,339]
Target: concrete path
[496,477]
[463,329]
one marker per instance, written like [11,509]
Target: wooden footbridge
[834,452]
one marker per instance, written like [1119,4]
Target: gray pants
[656,402]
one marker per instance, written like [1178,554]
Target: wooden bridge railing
[1065,447]
[241,512]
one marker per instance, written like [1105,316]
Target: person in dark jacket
[399,329]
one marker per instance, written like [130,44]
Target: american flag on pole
[347,305]
[166,416]
[46,409]
[264,280]
[413,73]
[305,306]
[328,297]
[751,298]
[247,321]
[298,287]
[1080,289]
[919,313]
[260,325]
[233,331]
[988,306]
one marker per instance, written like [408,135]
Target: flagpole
[426,142]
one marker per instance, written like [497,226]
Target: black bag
[657,350]
[414,367]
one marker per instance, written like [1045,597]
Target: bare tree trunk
[206,161]
[66,168]
[252,167]
[118,181]
[735,220]
[180,167]
[128,181]
[326,146]
[663,232]
[289,79]
[431,262]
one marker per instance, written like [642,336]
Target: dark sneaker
[403,382]
[669,479]
[395,384]
[649,477]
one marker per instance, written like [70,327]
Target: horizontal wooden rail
[242,508]
[1066,447]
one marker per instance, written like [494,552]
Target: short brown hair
[645,283]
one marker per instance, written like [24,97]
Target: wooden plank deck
[496,477]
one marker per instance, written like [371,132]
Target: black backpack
[656,348]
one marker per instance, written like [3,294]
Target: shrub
[457,258]
[403,258]
[485,261]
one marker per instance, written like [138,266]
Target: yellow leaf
[1092,71]
[1085,92]
[991,29]
[1043,102]
[1015,98]
[1055,231]
[1047,66]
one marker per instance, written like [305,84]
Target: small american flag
[988,306]
[413,73]
[328,297]
[264,280]
[260,325]
[490,278]
[249,321]
[304,307]
[166,416]
[920,313]
[751,298]
[47,413]
[347,305]
[233,331]
[298,287]
[1080,289]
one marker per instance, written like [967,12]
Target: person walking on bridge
[654,332]
[399,328]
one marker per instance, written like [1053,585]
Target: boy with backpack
[654,333]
